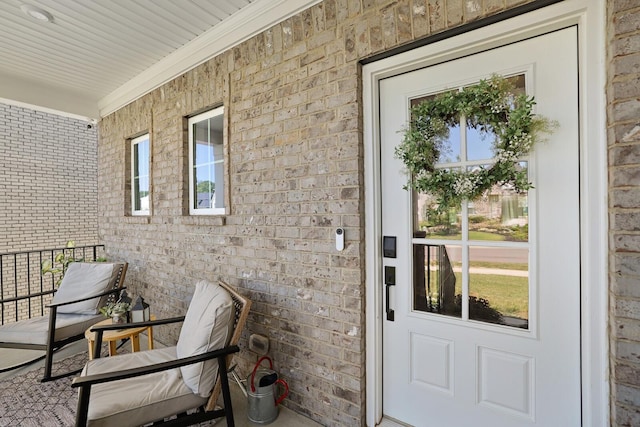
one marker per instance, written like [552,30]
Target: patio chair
[154,385]
[85,288]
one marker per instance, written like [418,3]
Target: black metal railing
[24,289]
[446,280]
[434,278]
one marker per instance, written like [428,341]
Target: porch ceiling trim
[248,22]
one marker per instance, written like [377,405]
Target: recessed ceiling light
[36,13]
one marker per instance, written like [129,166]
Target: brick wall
[623,93]
[48,187]
[295,156]
[48,195]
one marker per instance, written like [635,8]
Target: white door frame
[589,16]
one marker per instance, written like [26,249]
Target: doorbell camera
[339,238]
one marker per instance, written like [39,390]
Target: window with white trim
[206,163]
[140,175]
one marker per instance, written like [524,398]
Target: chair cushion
[84,279]
[36,329]
[140,400]
[206,327]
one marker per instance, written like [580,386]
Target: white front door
[484,317]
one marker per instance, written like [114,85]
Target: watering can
[262,388]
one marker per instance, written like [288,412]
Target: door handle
[389,311]
[389,280]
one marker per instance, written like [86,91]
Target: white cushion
[81,280]
[36,329]
[140,400]
[206,327]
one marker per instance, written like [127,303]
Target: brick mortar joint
[624,362]
[620,36]
[622,12]
[616,397]
[615,233]
[621,144]
[614,277]
[620,101]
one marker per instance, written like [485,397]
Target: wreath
[490,107]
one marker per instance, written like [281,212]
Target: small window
[140,182]
[206,162]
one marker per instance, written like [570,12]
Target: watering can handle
[286,391]
[255,369]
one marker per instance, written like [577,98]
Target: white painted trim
[47,110]
[373,244]
[590,17]
[135,141]
[218,111]
[594,216]
[246,23]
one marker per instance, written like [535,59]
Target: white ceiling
[98,55]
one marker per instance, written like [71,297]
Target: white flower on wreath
[522,143]
[503,155]
[465,184]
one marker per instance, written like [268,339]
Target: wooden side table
[113,336]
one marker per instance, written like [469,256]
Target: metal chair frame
[52,345]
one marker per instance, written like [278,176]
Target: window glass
[433,222]
[437,287]
[451,145]
[499,285]
[501,214]
[140,182]
[206,156]
[472,261]
[480,145]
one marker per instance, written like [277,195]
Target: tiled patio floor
[286,417]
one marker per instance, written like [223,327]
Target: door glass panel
[450,147]
[518,83]
[480,145]
[436,289]
[430,223]
[499,285]
[498,275]
[501,214]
